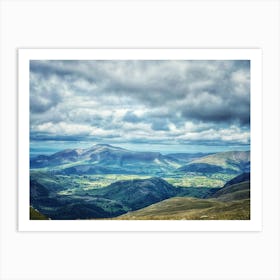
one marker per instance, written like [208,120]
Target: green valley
[104,182]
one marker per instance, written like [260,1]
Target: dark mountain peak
[153,181]
[71,154]
[158,180]
[65,151]
[201,167]
[137,193]
[235,189]
[104,147]
[134,182]
[238,179]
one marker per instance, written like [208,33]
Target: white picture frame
[188,24]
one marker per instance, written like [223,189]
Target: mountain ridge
[106,159]
[225,162]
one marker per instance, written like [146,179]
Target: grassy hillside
[184,208]
[233,192]
[36,215]
[232,202]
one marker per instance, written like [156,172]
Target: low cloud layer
[141,101]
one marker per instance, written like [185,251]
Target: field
[84,184]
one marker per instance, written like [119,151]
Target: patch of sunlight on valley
[80,184]
[216,180]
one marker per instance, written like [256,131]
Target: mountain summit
[104,158]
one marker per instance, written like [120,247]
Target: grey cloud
[40,105]
[131,117]
[215,93]
[160,125]
[219,111]
[43,94]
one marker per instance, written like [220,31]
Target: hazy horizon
[50,147]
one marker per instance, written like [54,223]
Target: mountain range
[104,159]
[107,159]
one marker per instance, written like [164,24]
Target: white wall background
[86,24]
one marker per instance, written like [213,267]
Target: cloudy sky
[137,102]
